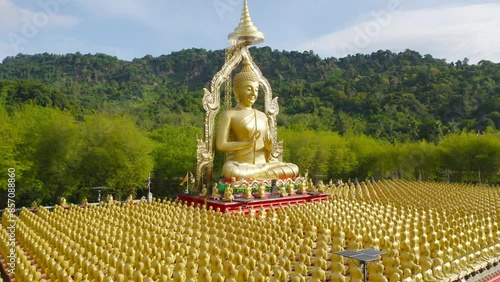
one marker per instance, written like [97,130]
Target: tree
[174,154]
[10,137]
[418,160]
[116,154]
[48,153]
[471,157]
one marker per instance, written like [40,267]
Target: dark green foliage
[392,96]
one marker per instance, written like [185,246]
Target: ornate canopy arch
[212,103]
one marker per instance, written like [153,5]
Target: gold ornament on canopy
[246,33]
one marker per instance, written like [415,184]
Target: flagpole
[150,196]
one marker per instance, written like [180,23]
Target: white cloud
[116,8]
[19,26]
[141,11]
[15,19]
[450,32]
[5,51]
[73,45]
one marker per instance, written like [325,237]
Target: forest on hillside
[75,121]
[392,96]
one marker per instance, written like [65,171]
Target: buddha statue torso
[243,134]
[246,123]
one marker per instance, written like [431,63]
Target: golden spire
[246,32]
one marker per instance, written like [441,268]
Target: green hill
[393,96]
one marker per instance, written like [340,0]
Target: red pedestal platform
[245,204]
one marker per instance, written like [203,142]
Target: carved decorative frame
[212,102]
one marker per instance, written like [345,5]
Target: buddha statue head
[246,85]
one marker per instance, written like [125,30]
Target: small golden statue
[321,186]
[85,202]
[203,191]
[34,206]
[215,191]
[302,188]
[228,194]
[261,194]
[251,212]
[248,193]
[240,211]
[310,186]
[109,199]
[262,213]
[291,190]
[130,199]
[63,202]
[283,192]
[192,180]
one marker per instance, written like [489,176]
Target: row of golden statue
[263,189]
[175,241]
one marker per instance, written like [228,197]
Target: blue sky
[448,29]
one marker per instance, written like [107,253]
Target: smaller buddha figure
[318,274]
[34,206]
[248,193]
[302,188]
[337,273]
[283,192]
[251,212]
[262,192]
[262,213]
[130,199]
[241,212]
[109,198]
[203,191]
[356,273]
[243,273]
[85,202]
[310,186]
[228,194]
[192,180]
[300,268]
[215,191]
[63,202]
[291,190]
[376,272]
[321,186]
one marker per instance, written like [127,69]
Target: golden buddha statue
[34,206]
[243,134]
[261,194]
[248,193]
[203,191]
[228,194]
[64,203]
[283,192]
[85,202]
[215,191]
